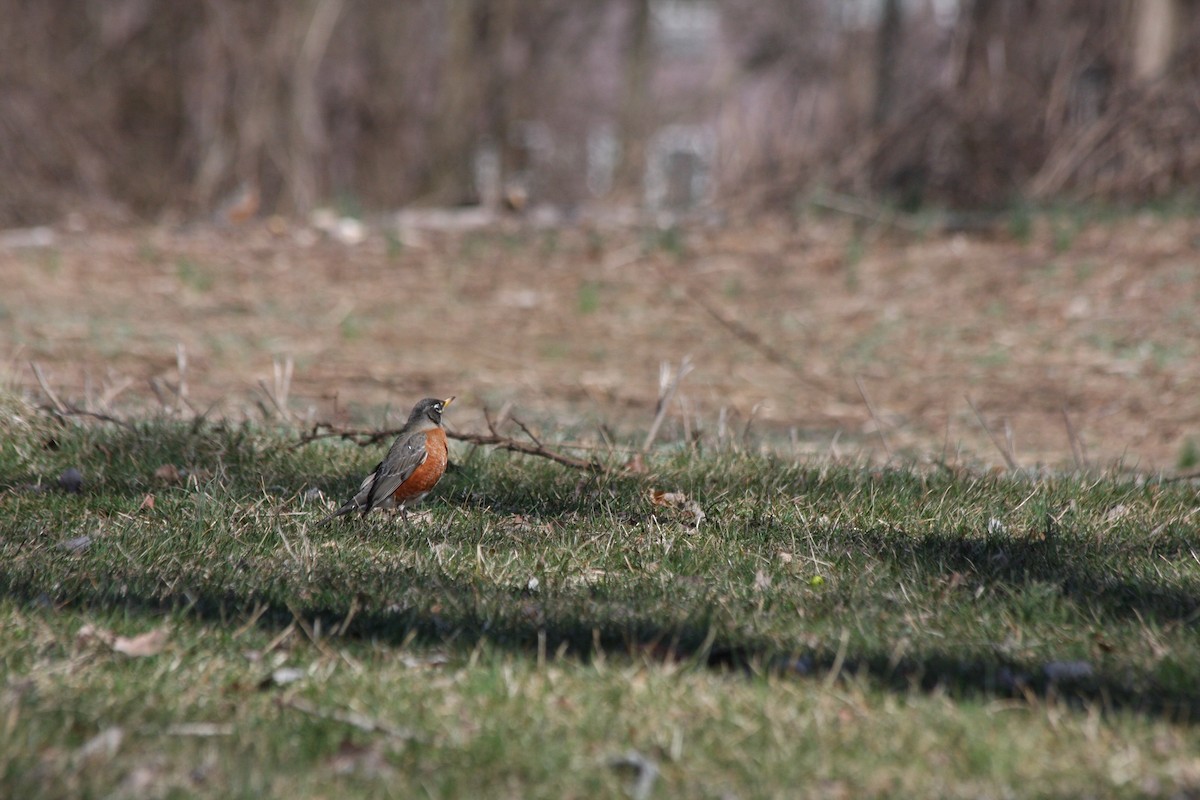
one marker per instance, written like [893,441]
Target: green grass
[194,275]
[541,624]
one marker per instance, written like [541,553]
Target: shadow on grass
[432,610]
[400,604]
[1002,560]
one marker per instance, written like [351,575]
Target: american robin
[411,468]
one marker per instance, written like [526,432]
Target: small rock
[71,481]
[77,544]
[27,238]
[1061,671]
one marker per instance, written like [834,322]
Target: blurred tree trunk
[982,44]
[502,97]
[890,31]
[456,129]
[1155,36]
[635,103]
[309,137]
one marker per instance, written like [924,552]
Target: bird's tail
[346,509]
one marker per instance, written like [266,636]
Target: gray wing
[407,453]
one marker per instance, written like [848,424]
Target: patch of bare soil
[1078,345]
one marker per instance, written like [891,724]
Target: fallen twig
[495,439]
[755,341]
[365,438]
[71,411]
[61,409]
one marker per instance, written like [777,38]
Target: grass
[827,630]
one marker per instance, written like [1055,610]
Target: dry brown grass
[1092,320]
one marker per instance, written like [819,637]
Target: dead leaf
[149,643]
[669,499]
[680,502]
[169,473]
[636,465]
[762,581]
[147,502]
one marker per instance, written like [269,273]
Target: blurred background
[135,108]
[922,227]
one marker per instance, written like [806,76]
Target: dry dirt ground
[1076,342]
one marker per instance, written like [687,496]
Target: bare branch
[365,438]
[755,341]
[71,411]
[517,446]
[526,430]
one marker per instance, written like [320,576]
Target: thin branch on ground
[71,411]
[536,448]
[360,437]
[755,340]
[366,438]
[60,409]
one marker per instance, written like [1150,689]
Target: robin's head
[430,409]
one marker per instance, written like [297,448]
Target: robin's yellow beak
[446,403]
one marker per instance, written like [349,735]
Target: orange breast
[426,476]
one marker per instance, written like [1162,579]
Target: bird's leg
[403,512]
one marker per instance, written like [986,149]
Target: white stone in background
[24,238]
